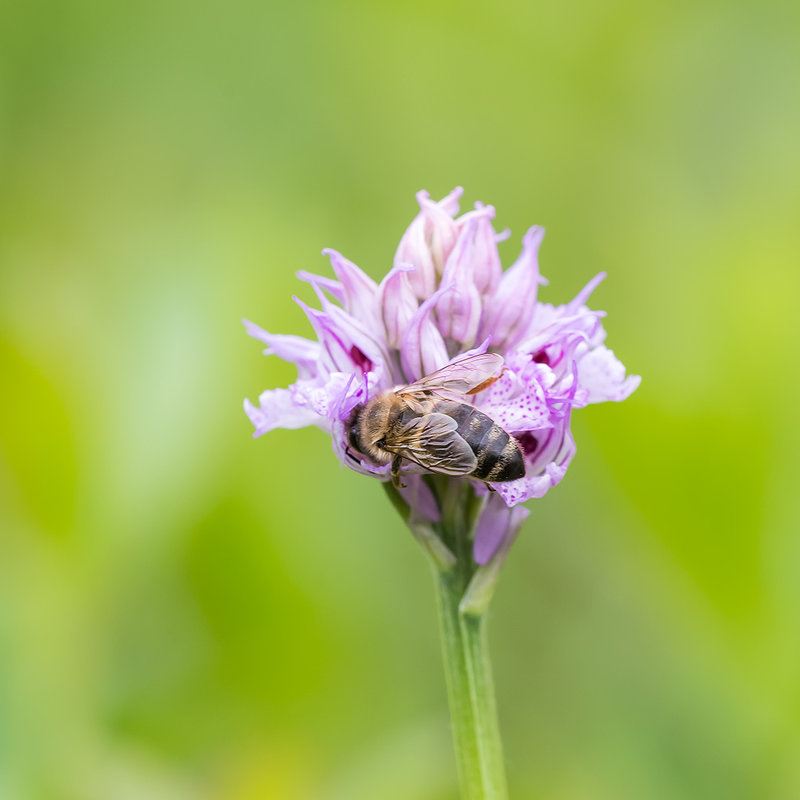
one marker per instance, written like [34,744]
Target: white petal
[603,375]
[277,408]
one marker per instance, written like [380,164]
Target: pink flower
[446,296]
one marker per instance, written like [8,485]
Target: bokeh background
[188,613]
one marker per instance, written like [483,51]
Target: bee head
[354,428]
[367,427]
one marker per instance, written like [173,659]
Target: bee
[425,423]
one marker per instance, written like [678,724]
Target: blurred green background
[188,613]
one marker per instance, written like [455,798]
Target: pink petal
[512,305]
[423,350]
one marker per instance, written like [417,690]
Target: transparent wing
[433,442]
[468,375]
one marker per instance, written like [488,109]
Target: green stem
[473,712]
[464,591]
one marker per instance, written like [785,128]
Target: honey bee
[425,423]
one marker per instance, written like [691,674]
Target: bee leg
[490,487]
[396,463]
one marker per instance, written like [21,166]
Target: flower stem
[473,712]
[464,591]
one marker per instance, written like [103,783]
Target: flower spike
[452,384]
[445,293]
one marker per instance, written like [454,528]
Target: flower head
[447,297]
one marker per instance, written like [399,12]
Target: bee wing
[468,375]
[433,442]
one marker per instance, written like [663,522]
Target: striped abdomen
[499,455]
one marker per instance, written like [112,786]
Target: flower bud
[497,522]
[358,289]
[459,311]
[397,303]
[427,242]
[423,350]
[511,308]
[486,267]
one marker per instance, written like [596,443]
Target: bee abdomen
[498,454]
[499,457]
